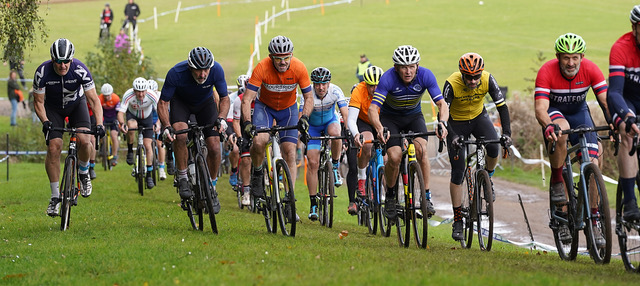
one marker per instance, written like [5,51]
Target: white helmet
[106,89]
[406,55]
[140,84]
[153,85]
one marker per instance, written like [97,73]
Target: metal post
[526,220]
[7,157]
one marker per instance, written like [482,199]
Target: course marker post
[177,12]
[155,17]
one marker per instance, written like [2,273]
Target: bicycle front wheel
[140,169]
[468,211]
[206,191]
[156,165]
[326,195]
[68,188]
[286,206]
[104,152]
[403,215]
[418,204]
[385,223]
[628,237]
[484,210]
[600,223]
[568,248]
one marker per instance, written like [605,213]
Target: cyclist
[62,86]
[244,167]
[157,128]
[323,119]
[624,67]
[561,88]
[360,126]
[137,105]
[232,138]
[110,105]
[464,91]
[277,77]
[188,88]
[396,105]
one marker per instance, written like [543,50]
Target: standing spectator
[106,18]
[121,42]
[12,86]
[131,11]
[362,67]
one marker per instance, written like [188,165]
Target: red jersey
[278,89]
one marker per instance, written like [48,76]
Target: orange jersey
[278,89]
[110,107]
[361,99]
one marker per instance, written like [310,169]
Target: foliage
[20,27]
[538,61]
[117,68]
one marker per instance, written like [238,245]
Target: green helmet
[570,43]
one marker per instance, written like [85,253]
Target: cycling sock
[257,169]
[214,182]
[83,167]
[457,213]
[161,166]
[490,172]
[182,174]
[314,200]
[391,191]
[362,173]
[628,189]
[149,169]
[556,175]
[336,163]
[130,147]
[234,170]
[427,194]
[92,163]
[55,192]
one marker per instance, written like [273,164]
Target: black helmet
[280,45]
[320,75]
[62,49]
[200,58]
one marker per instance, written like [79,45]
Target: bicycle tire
[68,186]
[419,217]
[206,191]
[385,224]
[286,207]
[330,194]
[140,169]
[369,206]
[191,214]
[321,195]
[268,207]
[567,250]
[468,210]
[104,152]
[593,177]
[484,209]
[403,215]
[155,164]
[628,237]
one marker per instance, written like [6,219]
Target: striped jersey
[139,108]
[396,98]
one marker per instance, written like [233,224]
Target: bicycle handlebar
[413,135]
[481,141]
[580,130]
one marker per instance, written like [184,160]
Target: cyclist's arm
[541,107]
[122,120]
[38,105]
[236,127]
[501,105]
[308,103]
[163,113]
[224,107]
[443,111]
[247,98]
[352,120]
[96,106]
[374,118]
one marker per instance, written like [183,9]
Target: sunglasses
[475,77]
[59,61]
[280,59]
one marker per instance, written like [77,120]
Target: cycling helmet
[106,89]
[635,14]
[406,55]
[140,84]
[152,84]
[471,64]
[242,80]
[200,58]
[372,75]
[280,45]
[62,49]
[570,43]
[320,75]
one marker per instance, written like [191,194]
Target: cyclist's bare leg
[234,155]
[557,159]
[456,194]
[85,146]
[245,170]
[115,144]
[162,152]
[213,155]
[391,168]
[364,158]
[593,194]
[180,152]
[132,124]
[627,165]
[148,150]
[423,159]
[313,156]
[492,162]
[52,160]
[289,155]
[257,148]
[336,144]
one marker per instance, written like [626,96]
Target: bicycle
[199,178]
[370,207]
[70,184]
[140,161]
[579,214]
[411,207]
[628,232]
[326,180]
[477,205]
[106,148]
[279,203]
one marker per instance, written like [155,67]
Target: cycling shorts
[78,114]
[581,118]
[263,117]
[146,122]
[397,124]
[315,131]
[364,126]
[205,114]
[109,122]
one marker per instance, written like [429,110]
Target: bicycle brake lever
[634,145]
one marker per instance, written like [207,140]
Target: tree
[20,27]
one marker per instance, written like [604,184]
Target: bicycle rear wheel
[286,206]
[468,211]
[385,224]
[140,168]
[369,207]
[206,191]
[628,237]
[484,210]
[68,188]
[601,226]
[418,204]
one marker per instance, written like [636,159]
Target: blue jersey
[395,98]
[62,91]
[324,110]
[180,83]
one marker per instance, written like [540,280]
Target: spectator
[12,86]
[362,67]
[131,11]
[106,18]
[121,42]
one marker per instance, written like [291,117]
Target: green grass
[118,237]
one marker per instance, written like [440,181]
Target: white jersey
[232,104]
[324,110]
[139,108]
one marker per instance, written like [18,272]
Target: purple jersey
[62,91]
[396,98]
